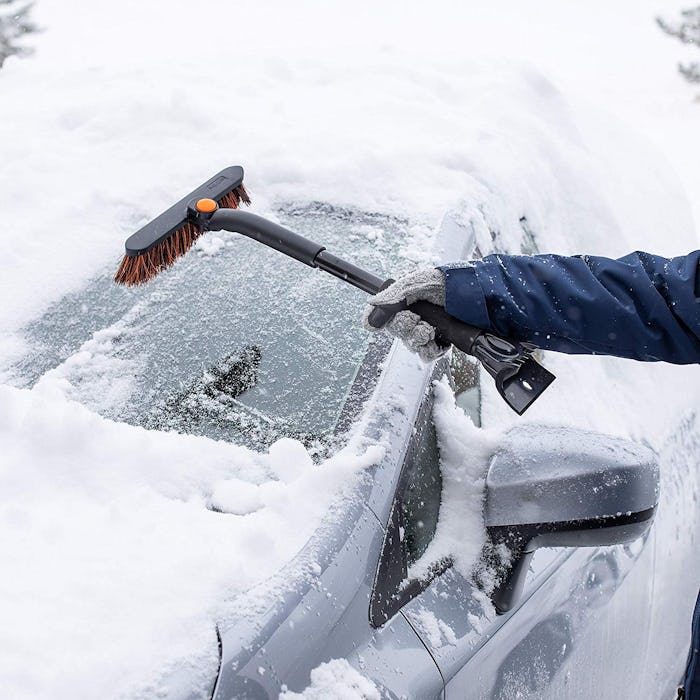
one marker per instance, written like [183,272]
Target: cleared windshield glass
[236,341]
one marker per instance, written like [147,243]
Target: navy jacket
[641,306]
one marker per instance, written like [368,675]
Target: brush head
[171,234]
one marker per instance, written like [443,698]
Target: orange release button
[206,206]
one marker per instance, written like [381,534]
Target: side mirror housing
[562,487]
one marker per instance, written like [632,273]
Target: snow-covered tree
[14,24]
[687,29]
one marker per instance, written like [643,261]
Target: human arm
[642,306]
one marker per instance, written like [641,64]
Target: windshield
[235,342]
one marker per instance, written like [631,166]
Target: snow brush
[162,241]
[213,206]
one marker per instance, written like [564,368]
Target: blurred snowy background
[574,116]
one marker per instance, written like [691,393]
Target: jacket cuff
[464,296]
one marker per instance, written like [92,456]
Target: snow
[576,120]
[465,451]
[336,680]
[437,632]
[113,546]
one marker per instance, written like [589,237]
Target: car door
[556,641]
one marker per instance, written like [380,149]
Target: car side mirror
[562,487]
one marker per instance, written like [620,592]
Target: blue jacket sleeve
[641,306]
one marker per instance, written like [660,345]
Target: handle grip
[448,329]
[519,378]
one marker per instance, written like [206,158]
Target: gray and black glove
[419,336]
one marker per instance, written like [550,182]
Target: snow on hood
[115,565]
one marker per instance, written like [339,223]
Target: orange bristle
[137,269]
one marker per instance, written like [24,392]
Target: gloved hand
[419,336]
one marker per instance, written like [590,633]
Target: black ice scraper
[519,378]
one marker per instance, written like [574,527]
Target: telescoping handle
[519,378]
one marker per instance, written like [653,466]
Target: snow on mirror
[235,342]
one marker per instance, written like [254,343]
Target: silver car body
[584,627]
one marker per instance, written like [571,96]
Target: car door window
[414,515]
[420,501]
